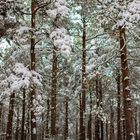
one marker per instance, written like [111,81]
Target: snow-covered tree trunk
[32,51]
[126,85]
[10,117]
[123,128]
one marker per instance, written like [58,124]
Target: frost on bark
[126,85]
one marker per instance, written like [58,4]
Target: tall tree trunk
[97,119]
[89,127]
[33,117]
[119,131]
[17,125]
[32,51]
[106,130]
[100,101]
[76,130]
[28,136]
[53,93]
[139,121]
[10,117]
[47,119]
[42,128]
[124,129]
[23,116]
[1,106]
[102,130]
[3,125]
[81,118]
[111,122]
[136,124]
[126,85]
[83,93]
[66,119]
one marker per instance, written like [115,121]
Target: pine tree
[126,85]
[33,61]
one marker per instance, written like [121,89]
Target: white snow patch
[34,130]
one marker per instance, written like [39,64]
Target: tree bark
[100,101]
[106,130]
[111,122]
[136,122]
[28,136]
[119,131]
[10,117]
[139,121]
[126,85]
[23,116]
[1,106]
[66,119]
[76,130]
[124,129]
[82,135]
[97,120]
[89,127]
[53,93]
[32,51]
[47,119]
[17,125]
